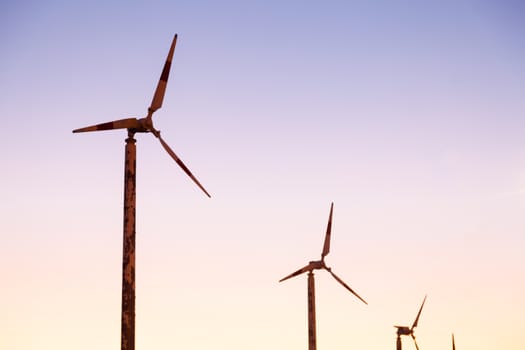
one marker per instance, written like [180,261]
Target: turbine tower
[318,265]
[134,125]
[453,343]
[403,330]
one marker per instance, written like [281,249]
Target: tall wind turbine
[403,330]
[134,125]
[318,265]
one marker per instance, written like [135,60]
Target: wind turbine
[318,265]
[403,330]
[135,125]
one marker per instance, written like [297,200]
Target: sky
[408,115]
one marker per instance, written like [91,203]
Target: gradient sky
[408,115]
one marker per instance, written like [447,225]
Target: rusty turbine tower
[133,126]
[318,265]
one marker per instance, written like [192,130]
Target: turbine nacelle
[145,125]
[317,265]
[402,330]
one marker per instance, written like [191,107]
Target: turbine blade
[128,123]
[453,343]
[179,162]
[415,342]
[418,314]
[298,272]
[346,286]
[326,246]
[158,97]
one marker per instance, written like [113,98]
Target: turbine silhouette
[318,265]
[145,124]
[403,330]
[134,125]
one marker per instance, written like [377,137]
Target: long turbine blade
[415,342]
[418,314]
[180,163]
[346,286]
[453,343]
[326,246]
[156,103]
[298,272]
[128,123]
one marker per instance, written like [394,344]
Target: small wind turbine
[318,265]
[134,125]
[403,330]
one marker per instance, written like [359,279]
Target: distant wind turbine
[403,330]
[318,265]
[134,125]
